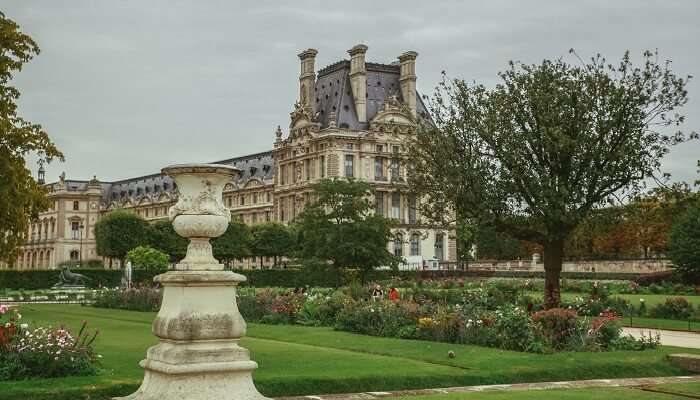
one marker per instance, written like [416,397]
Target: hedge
[289,278]
[44,279]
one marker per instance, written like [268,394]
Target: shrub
[139,299]
[513,328]
[144,257]
[684,245]
[555,326]
[42,352]
[673,308]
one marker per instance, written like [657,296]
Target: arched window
[398,245]
[74,255]
[415,244]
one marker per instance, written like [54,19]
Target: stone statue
[70,279]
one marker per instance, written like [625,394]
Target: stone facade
[351,120]
[602,266]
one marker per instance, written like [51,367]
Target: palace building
[351,119]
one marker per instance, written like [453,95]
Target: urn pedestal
[198,324]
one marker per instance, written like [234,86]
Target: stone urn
[198,323]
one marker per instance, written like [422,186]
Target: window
[76,206]
[74,255]
[322,166]
[349,146]
[412,205]
[396,205]
[307,169]
[255,198]
[395,171]
[398,245]
[242,200]
[283,171]
[415,244]
[255,218]
[75,229]
[439,246]
[269,197]
[267,216]
[379,169]
[349,165]
[379,203]
[380,148]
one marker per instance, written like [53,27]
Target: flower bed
[486,316]
[43,352]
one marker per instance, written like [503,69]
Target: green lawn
[304,360]
[651,300]
[654,323]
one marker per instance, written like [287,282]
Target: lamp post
[80,254]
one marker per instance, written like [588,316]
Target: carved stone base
[198,356]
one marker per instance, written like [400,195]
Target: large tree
[272,239]
[684,244]
[233,244]
[341,228]
[118,232]
[21,197]
[535,154]
[161,235]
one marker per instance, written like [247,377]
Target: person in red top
[393,294]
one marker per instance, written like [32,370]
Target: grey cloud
[127,87]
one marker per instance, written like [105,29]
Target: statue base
[199,327]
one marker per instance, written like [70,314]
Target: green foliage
[234,243]
[43,279]
[494,245]
[534,155]
[340,227]
[555,326]
[673,308]
[272,239]
[684,245]
[21,197]
[161,235]
[139,299]
[45,352]
[119,231]
[87,264]
[144,257]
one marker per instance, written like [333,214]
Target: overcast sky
[127,87]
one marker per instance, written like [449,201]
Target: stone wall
[602,266]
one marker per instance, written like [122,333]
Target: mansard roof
[334,94]
[252,166]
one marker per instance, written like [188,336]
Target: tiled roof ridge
[370,66]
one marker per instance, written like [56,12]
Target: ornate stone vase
[198,323]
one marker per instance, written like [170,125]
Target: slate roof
[258,166]
[334,93]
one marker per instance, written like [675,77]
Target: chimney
[41,178]
[407,79]
[307,78]
[358,80]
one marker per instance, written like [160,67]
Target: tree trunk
[553,258]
